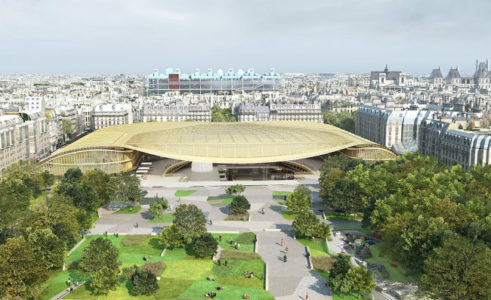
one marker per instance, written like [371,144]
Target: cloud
[122,36]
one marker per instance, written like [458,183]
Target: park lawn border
[164,218]
[288,215]
[126,210]
[184,193]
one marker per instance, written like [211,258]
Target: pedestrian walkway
[67,291]
[291,279]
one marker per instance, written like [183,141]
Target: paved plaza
[290,280]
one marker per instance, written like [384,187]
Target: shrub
[205,245]
[239,205]
[156,268]
[128,272]
[144,283]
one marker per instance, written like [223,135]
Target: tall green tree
[124,187]
[190,221]
[328,181]
[144,283]
[240,205]
[82,195]
[299,200]
[72,175]
[105,279]
[67,128]
[99,181]
[21,271]
[345,195]
[307,225]
[158,207]
[99,253]
[361,280]
[459,269]
[235,189]
[171,236]
[205,245]
[46,245]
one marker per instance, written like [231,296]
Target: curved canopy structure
[118,148]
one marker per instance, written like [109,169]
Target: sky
[309,36]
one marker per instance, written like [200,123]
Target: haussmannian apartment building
[14,140]
[163,113]
[112,114]
[395,129]
[415,130]
[279,112]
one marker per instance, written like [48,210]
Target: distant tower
[386,70]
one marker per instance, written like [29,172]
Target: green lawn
[395,274]
[184,193]
[280,194]
[331,216]
[246,241]
[184,275]
[220,201]
[317,247]
[94,216]
[289,215]
[165,218]
[134,209]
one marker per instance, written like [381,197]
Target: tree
[47,179]
[46,245]
[305,224]
[15,198]
[67,128]
[144,283]
[205,245]
[72,175]
[99,181]
[338,279]
[158,207]
[172,237]
[99,253]
[361,280]
[105,279]
[82,195]
[459,269]
[299,200]
[124,187]
[239,205]
[190,220]
[345,195]
[235,189]
[21,271]
[328,181]
[322,231]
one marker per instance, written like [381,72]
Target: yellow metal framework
[118,148]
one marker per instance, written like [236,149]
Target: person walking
[307,296]
[286,250]
[69,281]
[220,237]
[284,258]
[282,242]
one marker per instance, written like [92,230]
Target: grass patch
[184,193]
[133,239]
[331,216]
[94,216]
[220,201]
[395,273]
[280,194]
[289,215]
[246,241]
[238,217]
[164,218]
[230,254]
[133,209]
[184,276]
[317,247]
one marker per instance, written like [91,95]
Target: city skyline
[111,37]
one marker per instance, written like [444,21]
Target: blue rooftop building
[210,82]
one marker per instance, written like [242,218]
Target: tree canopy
[99,253]
[240,205]
[190,221]
[299,200]
[205,245]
